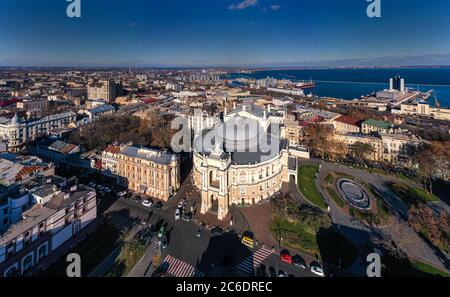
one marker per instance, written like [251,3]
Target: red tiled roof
[112,149]
[149,100]
[348,120]
[27,170]
[68,148]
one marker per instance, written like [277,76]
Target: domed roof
[239,129]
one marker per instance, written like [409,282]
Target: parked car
[177,214]
[161,232]
[164,242]
[299,262]
[317,270]
[286,257]
[147,203]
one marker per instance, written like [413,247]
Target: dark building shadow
[222,255]
[336,249]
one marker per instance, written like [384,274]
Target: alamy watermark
[374,9]
[374,267]
[74,267]
[74,9]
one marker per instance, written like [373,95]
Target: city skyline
[251,33]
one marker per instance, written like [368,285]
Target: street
[187,255]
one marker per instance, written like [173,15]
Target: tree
[321,140]
[441,156]
[434,161]
[361,150]
[426,167]
[421,218]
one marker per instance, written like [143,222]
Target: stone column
[223,208]
[206,203]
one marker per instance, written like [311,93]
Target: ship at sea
[304,85]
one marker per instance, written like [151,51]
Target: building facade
[370,125]
[18,132]
[61,212]
[105,90]
[151,172]
[237,169]
[346,124]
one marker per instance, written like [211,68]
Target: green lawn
[411,195]
[92,252]
[329,179]
[306,185]
[130,254]
[424,267]
[294,236]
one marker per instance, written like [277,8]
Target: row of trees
[436,229]
[154,130]
[320,138]
[433,159]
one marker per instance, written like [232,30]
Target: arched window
[27,263]
[42,252]
[243,177]
[12,272]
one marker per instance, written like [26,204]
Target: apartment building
[99,111]
[346,124]
[293,132]
[33,108]
[61,211]
[110,159]
[351,139]
[106,90]
[152,172]
[397,147]
[377,126]
[17,132]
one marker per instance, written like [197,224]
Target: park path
[399,231]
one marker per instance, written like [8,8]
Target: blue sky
[223,32]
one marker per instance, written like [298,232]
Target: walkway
[399,231]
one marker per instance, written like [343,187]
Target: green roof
[378,124]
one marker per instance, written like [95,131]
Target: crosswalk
[251,262]
[178,268]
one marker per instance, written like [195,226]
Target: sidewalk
[144,266]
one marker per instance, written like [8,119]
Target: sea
[353,83]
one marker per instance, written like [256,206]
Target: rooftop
[157,156]
[348,120]
[378,124]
